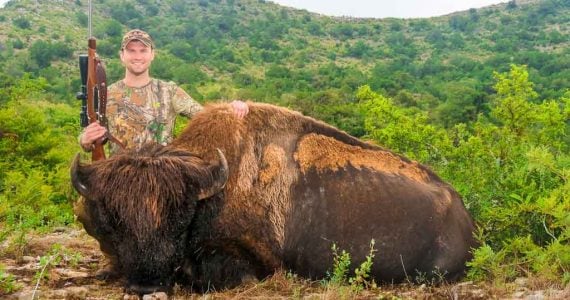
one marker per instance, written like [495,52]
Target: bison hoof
[108,273]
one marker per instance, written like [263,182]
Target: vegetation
[511,166]
[480,96]
[7,282]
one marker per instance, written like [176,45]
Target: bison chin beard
[151,267]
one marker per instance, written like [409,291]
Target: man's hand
[91,133]
[240,108]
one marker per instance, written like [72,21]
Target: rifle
[93,93]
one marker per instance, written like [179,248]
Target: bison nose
[149,288]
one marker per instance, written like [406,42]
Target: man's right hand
[90,134]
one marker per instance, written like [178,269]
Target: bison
[231,200]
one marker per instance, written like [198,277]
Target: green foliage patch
[38,142]
[342,265]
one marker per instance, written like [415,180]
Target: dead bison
[279,192]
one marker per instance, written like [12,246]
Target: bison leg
[223,267]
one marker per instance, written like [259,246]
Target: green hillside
[258,50]
[481,96]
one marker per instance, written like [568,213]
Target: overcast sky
[387,8]
[382,8]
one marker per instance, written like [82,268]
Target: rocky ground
[60,265]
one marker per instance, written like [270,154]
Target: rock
[521,282]
[538,295]
[518,295]
[59,294]
[61,229]
[71,273]
[28,259]
[156,296]
[468,290]
[77,292]
[75,234]
[130,297]
[27,295]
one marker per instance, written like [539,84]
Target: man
[140,109]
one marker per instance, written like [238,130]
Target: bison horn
[76,177]
[220,175]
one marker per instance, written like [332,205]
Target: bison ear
[78,177]
[219,172]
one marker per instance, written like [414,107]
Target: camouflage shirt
[139,115]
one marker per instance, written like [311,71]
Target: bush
[34,158]
[22,23]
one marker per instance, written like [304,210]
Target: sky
[382,8]
[387,8]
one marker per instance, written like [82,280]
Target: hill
[254,49]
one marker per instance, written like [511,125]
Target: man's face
[136,57]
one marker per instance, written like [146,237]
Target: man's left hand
[241,109]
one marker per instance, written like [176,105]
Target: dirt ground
[60,265]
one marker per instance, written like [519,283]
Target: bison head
[142,203]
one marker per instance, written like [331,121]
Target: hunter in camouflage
[146,114]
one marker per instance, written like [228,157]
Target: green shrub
[34,183]
[8,283]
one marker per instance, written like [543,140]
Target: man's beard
[135,72]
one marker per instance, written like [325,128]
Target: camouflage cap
[138,35]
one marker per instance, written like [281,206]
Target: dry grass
[65,278]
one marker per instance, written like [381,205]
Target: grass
[77,252]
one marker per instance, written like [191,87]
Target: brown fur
[143,186]
[266,153]
[249,165]
[326,153]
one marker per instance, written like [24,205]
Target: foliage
[8,283]
[342,266]
[23,23]
[44,52]
[514,95]
[512,169]
[35,151]
[361,279]
[405,131]
[286,55]
[56,256]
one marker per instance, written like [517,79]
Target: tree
[512,106]
[404,131]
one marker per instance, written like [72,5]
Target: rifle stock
[96,96]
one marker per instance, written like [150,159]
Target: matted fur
[141,187]
[266,153]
